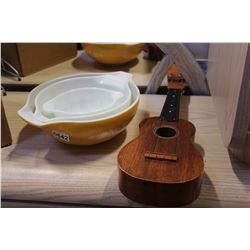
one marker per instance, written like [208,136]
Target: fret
[170,110]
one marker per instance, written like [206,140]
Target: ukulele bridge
[160,156]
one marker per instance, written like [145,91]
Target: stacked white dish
[83,109]
[85,98]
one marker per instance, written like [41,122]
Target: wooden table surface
[140,68]
[38,171]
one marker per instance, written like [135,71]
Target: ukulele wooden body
[161,166]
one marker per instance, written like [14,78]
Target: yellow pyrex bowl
[82,132]
[113,54]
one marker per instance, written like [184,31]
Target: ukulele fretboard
[170,110]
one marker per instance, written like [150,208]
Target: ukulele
[162,167]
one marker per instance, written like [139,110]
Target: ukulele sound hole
[166,132]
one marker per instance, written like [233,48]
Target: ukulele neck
[171,108]
[176,85]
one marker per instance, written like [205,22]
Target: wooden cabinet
[229,81]
[28,58]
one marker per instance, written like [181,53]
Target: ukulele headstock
[175,79]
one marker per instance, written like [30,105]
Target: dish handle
[27,115]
